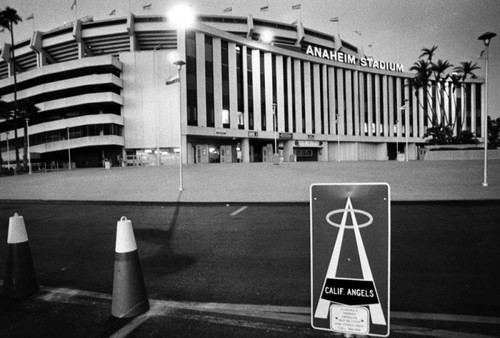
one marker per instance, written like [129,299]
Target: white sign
[331,54]
[349,319]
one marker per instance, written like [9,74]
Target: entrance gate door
[226,154]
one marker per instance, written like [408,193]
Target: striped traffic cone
[20,279]
[129,291]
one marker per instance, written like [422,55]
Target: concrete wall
[151,108]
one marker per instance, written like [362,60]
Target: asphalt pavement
[78,313]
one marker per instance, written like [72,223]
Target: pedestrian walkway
[256,182]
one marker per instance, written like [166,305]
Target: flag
[334,19]
[148,6]
[73,5]
[264,9]
[229,9]
[173,79]
[337,42]
[30,17]
[296,6]
[481,55]
[113,12]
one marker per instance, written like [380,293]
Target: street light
[180,17]
[179,64]
[28,144]
[486,38]
[407,117]
[266,37]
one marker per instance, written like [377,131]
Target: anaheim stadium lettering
[333,55]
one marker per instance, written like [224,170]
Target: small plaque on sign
[349,319]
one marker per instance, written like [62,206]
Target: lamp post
[407,117]
[486,38]
[180,17]
[275,129]
[179,65]
[28,143]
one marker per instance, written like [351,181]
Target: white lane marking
[426,332]
[131,326]
[239,210]
[446,317]
[72,295]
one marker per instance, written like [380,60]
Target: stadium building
[109,89]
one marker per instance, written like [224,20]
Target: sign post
[350,258]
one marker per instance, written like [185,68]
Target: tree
[9,18]
[432,78]
[429,53]
[465,70]
[493,133]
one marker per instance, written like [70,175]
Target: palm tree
[428,52]
[439,70]
[421,80]
[466,69]
[9,18]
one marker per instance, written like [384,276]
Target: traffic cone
[129,291]
[20,279]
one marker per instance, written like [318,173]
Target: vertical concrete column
[200,80]
[268,78]
[331,87]
[473,113]
[377,105]
[298,95]
[453,110]
[287,150]
[257,114]
[217,57]
[233,86]
[399,103]
[446,98]
[369,102]
[355,85]
[429,108]
[348,101]
[362,104]
[340,101]
[317,98]
[483,109]
[290,93]
[385,105]
[394,115]
[245,86]
[308,97]
[324,89]
[413,106]
[463,106]
[245,150]
[421,113]
[280,94]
